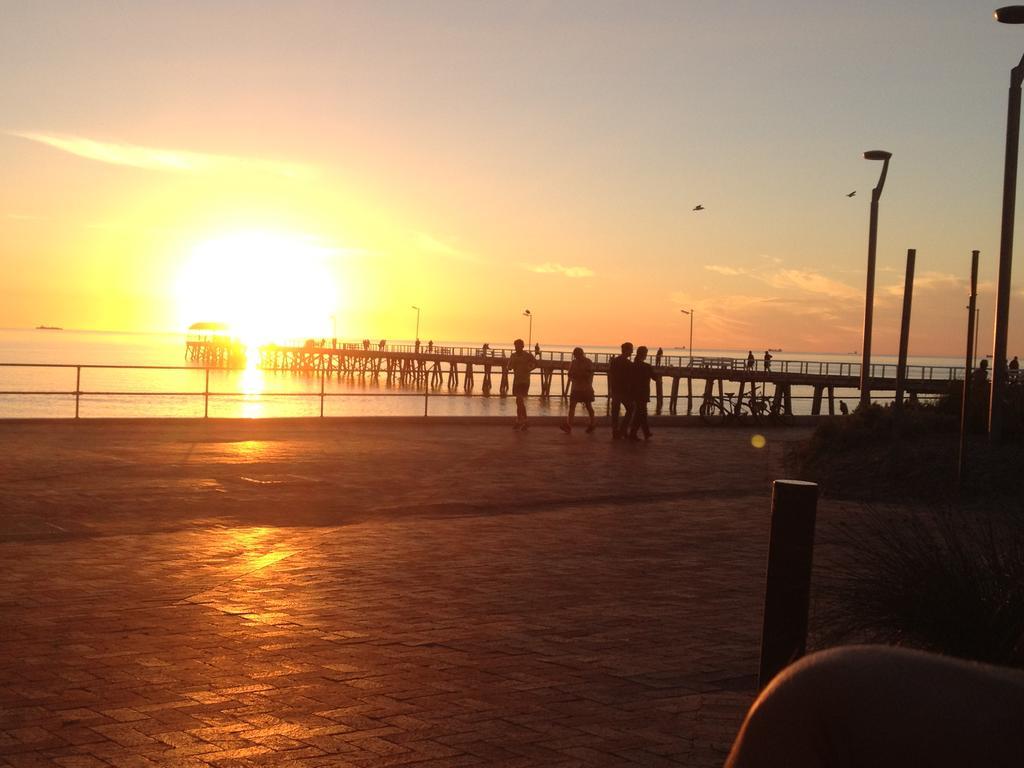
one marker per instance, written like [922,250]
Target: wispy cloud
[156,159]
[928,281]
[723,270]
[437,247]
[812,282]
[553,268]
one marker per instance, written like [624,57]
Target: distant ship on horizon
[48,328]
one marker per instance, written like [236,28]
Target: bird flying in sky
[698,207]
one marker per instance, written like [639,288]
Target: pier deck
[692,378]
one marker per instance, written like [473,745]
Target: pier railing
[823,368]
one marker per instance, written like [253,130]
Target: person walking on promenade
[767,360]
[657,357]
[521,363]
[619,368]
[581,379]
[640,380]
[536,350]
[1014,367]
[751,362]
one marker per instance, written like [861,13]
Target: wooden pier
[677,377]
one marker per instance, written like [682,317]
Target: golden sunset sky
[275,164]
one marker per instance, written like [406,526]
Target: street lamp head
[877,154]
[685,311]
[1011,14]
[416,308]
[526,312]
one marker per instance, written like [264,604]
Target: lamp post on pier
[417,337]
[869,298]
[690,313]
[1012,14]
[529,314]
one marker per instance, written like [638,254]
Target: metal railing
[206,393]
[424,392]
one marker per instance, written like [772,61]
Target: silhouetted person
[581,381]
[1014,367]
[844,408]
[417,345]
[980,376]
[767,360]
[485,349]
[619,368]
[751,362]
[640,387]
[430,346]
[366,343]
[383,343]
[536,349]
[521,363]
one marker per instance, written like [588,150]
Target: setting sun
[266,287]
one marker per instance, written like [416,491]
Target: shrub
[951,583]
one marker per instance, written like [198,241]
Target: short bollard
[788,582]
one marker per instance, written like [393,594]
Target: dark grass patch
[950,582]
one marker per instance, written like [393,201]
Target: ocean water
[175,389]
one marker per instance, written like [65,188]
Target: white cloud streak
[157,159]
[553,268]
[436,247]
[723,270]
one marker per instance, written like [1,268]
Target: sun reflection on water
[252,386]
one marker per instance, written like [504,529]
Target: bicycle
[763,409]
[718,409]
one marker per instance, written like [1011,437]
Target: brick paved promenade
[366,594]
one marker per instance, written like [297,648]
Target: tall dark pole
[529,342]
[869,297]
[1002,320]
[417,324]
[968,367]
[908,295]
[977,324]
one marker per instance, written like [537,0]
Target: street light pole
[417,337]
[529,314]
[1013,14]
[869,297]
[690,313]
